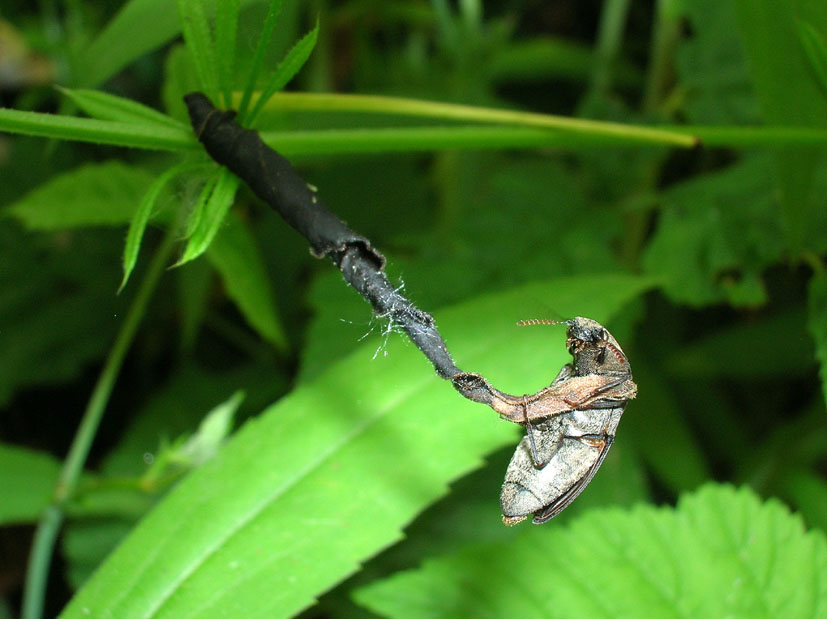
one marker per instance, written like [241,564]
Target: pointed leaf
[28,480]
[352,456]
[720,553]
[226,23]
[141,217]
[104,106]
[139,26]
[198,37]
[258,58]
[210,217]
[287,69]
[236,256]
[95,194]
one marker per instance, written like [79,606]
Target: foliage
[667,177]
[720,552]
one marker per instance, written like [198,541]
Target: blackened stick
[274,180]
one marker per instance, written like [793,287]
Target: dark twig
[273,179]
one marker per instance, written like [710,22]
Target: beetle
[571,424]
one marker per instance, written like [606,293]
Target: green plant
[695,232]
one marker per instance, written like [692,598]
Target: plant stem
[468,113]
[665,32]
[50,521]
[609,37]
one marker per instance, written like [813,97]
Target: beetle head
[594,349]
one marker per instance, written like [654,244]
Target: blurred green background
[730,238]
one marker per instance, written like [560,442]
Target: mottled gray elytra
[570,424]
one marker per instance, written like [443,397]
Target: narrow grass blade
[226,24]
[261,48]
[104,106]
[199,40]
[61,127]
[287,69]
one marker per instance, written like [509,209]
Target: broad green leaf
[27,479]
[720,553]
[287,69]
[96,194]
[177,409]
[817,323]
[712,67]
[86,541]
[716,234]
[105,106]
[354,456]
[790,94]
[58,309]
[139,220]
[198,37]
[237,258]
[273,12]
[103,514]
[226,24]
[139,27]
[216,198]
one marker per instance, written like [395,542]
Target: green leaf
[354,456]
[139,27]
[198,37]
[237,258]
[96,194]
[287,69]
[816,49]
[104,106]
[262,44]
[817,323]
[57,308]
[139,220]
[720,553]
[716,234]
[790,94]
[216,198]
[153,137]
[28,480]
[226,24]
[713,68]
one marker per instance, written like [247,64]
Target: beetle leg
[530,432]
[593,393]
